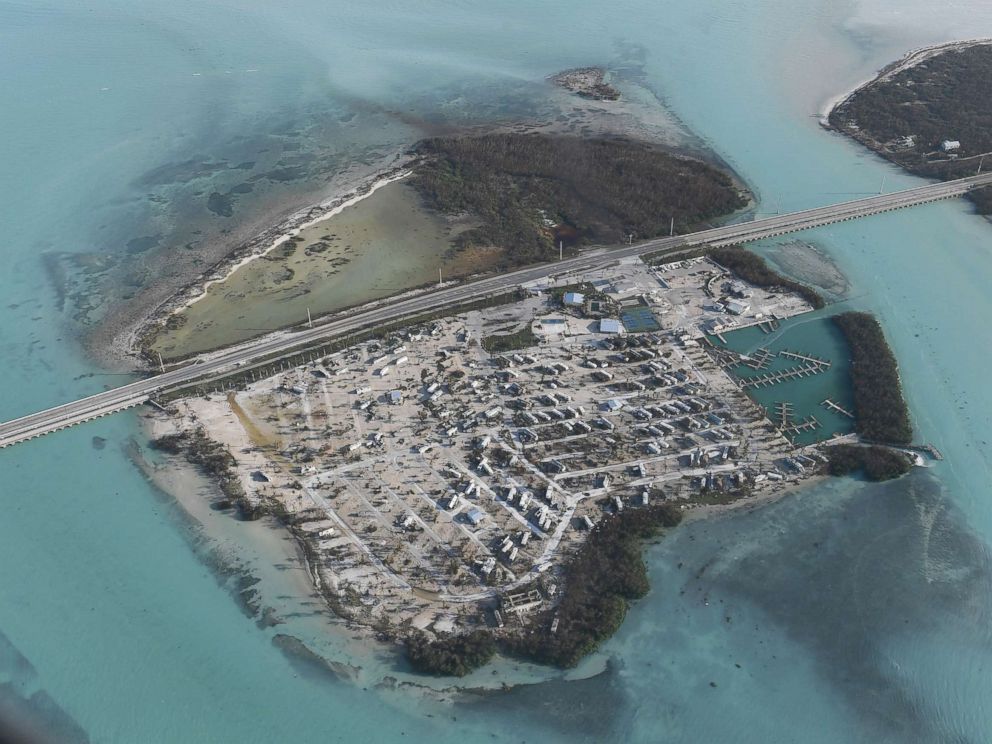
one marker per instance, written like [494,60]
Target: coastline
[912,58]
[129,345]
[292,228]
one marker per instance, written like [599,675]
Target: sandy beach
[911,59]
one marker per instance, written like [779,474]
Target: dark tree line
[605,574]
[597,190]
[753,269]
[450,656]
[877,463]
[882,414]
[947,97]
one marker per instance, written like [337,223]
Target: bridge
[141,391]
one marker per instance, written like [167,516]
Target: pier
[807,424]
[774,378]
[810,360]
[760,359]
[829,404]
[783,412]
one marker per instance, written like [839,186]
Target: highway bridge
[136,393]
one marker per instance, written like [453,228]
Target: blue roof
[475,515]
[609,325]
[574,298]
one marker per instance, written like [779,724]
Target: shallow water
[857,612]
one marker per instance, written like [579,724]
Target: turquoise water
[855,612]
[810,335]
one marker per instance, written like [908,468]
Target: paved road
[136,393]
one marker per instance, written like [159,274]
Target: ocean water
[848,612]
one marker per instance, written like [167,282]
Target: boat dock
[773,378]
[810,360]
[783,412]
[834,407]
[807,424]
[760,359]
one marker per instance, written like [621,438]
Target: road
[136,393]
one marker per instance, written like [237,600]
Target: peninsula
[928,113]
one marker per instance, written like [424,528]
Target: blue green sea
[847,612]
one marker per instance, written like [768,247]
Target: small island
[588,82]
[928,113]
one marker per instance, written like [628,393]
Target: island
[482,482]
[928,113]
[480,478]
[588,82]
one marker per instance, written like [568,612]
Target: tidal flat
[382,245]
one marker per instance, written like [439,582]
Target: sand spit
[293,227]
[911,59]
[116,341]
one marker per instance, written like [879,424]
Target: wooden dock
[760,359]
[834,407]
[807,424]
[773,378]
[807,358]
[783,412]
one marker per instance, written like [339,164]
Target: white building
[611,325]
[574,299]
[950,145]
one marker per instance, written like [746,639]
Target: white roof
[610,325]
[574,298]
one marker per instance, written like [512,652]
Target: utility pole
[671,230]
[309,319]
[561,250]
[161,364]
[980,164]
[440,281]
[881,188]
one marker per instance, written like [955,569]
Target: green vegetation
[882,414]
[452,656]
[601,579]
[946,97]
[752,268]
[877,463]
[532,190]
[522,339]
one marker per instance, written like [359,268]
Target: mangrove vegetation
[531,191]
[753,269]
[601,579]
[882,414]
[874,462]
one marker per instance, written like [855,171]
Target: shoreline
[334,208]
[258,246]
[912,58]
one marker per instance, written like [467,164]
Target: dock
[829,404]
[783,412]
[807,424]
[773,378]
[807,358]
[760,359]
